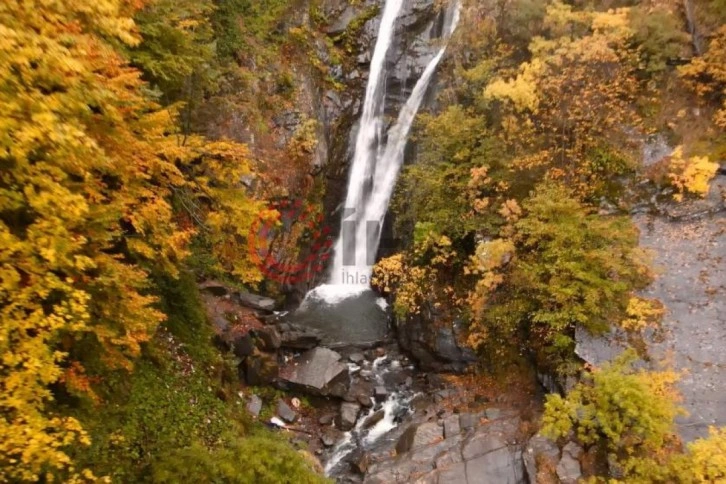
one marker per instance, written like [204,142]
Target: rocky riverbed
[371,413]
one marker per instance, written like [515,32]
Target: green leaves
[627,412]
[572,268]
[617,406]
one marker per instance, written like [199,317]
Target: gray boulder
[572,449]
[242,345]
[432,346]
[539,450]
[501,466]
[297,337]
[454,474]
[568,470]
[342,21]
[234,338]
[451,426]
[348,415]
[254,405]
[326,419]
[468,420]
[315,371]
[360,391]
[330,437]
[375,418]
[480,444]
[419,435]
[255,301]
[268,338]
[285,412]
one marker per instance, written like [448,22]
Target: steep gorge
[374,240]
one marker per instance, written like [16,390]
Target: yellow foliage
[520,90]
[412,281]
[393,275]
[707,458]
[706,75]
[487,263]
[88,170]
[642,313]
[690,175]
[572,97]
[221,204]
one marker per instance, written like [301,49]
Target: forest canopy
[140,143]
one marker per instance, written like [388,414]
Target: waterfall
[371,124]
[370,132]
[376,167]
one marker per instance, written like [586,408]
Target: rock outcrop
[687,240]
[541,457]
[429,453]
[316,372]
[433,341]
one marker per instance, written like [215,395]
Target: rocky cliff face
[411,50]
[688,245]
[330,84]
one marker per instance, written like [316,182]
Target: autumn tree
[565,267]
[628,413]
[564,111]
[83,194]
[90,171]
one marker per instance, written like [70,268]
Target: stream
[351,313]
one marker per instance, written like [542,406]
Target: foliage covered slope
[107,188]
[517,208]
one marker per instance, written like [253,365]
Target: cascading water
[338,307]
[375,169]
[369,429]
[373,176]
[389,164]
[369,132]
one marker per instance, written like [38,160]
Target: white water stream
[370,132]
[375,169]
[376,166]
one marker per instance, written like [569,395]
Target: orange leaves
[77,382]
[706,75]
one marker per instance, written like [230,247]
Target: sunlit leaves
[626,410]
[89,168]
[690,175]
